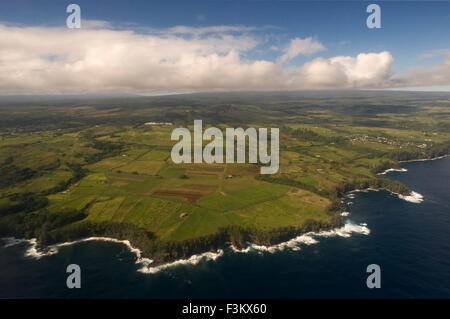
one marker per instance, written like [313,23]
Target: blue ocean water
[409,241]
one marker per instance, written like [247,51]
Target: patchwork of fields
[141,186]
[119,170]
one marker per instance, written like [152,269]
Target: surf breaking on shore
[35,252]
[294,244]
[309,238]
[425,159]
[412,197]
[393,170]
[408,161]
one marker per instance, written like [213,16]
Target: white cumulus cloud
[300,46]
[47,60]
[428,76]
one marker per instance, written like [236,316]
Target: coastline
[148,267]
[413,196]
[425,159]
[309,238]
[35,252]
[392,170]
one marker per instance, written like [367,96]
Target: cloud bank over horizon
[100,59]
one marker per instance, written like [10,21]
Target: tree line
[431,152]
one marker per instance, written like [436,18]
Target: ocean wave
[193,260]
[294,244]
[134,250]
[393,170]
[413,197]
[425,159]
[12,241]
[366,190]
[309,238]
[34,251]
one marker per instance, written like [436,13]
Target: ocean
[410,241]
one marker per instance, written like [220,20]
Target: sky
[187,46]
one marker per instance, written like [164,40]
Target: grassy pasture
[324,143]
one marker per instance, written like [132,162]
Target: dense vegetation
[12,174]
[37,224]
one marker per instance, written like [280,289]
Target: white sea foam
[425,159]
[309,238]
[34,252]
[294,244]
[346,230]
[358,191]
[393,170]
[193,260]
[127,243]
[11,241]
[413,197]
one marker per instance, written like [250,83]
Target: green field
[114,169]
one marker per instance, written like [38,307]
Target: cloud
[200,31]
[300,46]
[96,24]
[45,60]
[433,53]
[427,76]
[366,70]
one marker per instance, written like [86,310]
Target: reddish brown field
[191,193]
